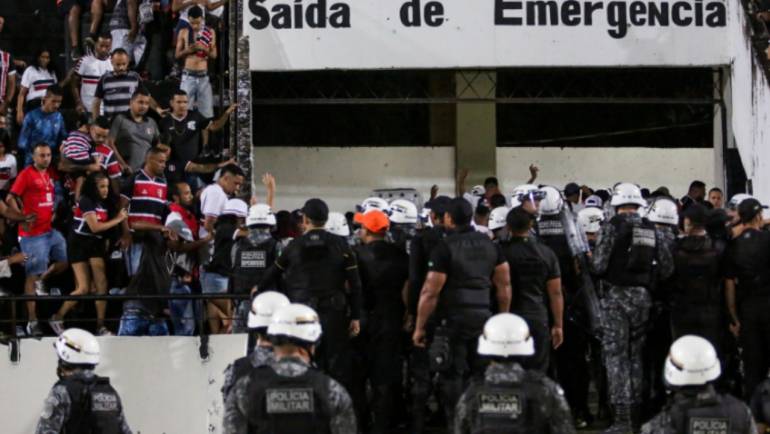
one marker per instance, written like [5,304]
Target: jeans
[240,322]
[133,258]
[199,92]
[213,283]
[137,323]
[182,311]
[42,248]
[135,49]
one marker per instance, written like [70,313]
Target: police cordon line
[500,317]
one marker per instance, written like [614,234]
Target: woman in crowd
[36,79]
[87,245]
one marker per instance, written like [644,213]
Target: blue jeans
[41,249]
[182,312]
[136,323]
[133,258]
[213,283]
[199,92]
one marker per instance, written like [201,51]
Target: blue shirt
[41,127]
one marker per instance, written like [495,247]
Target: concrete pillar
[476,125]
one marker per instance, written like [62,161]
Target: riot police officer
[626,250]
[403,223]
[316,268]
[497,218]
[384,269]
[259,350]
[81,401]
[289,395]
[464,269]
[690,368]
[747,291]
[509,399]
[421,247]
[535,280]
[251,256]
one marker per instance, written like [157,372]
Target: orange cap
[373,220]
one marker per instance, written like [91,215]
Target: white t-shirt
[213,200]
[37,81]
[8,170]
[90,69]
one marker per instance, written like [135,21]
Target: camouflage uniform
[555,411]
[741,420]
[260,356]
[342,419]
[57,407]
[626,311]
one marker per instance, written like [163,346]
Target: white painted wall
[750,107]
[165,387]
[345,176]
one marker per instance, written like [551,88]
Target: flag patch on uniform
[290,401]
[500,403]
[709,425]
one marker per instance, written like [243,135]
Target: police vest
[317,267]
[469,282]
[250,263]
[550,231]
[508,408]
[709,413]
[633,254]
[698,278]
[95,406]
[288,405]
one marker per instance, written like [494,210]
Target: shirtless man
[196,45]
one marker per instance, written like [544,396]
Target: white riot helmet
[521,191]
[590,220]
[626,193]
[296,323]
[375,203]
[506,335]
[691,361]
[260,214]
[664,211]
[497,218]
[403,211]
[77,347]
[737,199]
[337,224]
[552,202]
[263,307]
[478,190]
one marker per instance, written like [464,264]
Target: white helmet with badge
[497,218]
[552,202]
[691,361]
[375,203]
[590,220]
[506,335]
[295,323]
[403,211]
[260,215]
[77,347]
[627,193]
[263,307]
[663,210]
[337,224]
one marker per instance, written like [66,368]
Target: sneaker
[57,325]
[40,288]
[104,331]
[33,330]
[75,54]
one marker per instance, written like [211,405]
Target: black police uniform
[702,411]
[315,268]
[748,262]
[571,356]
[83,403]
[468,258]
[760,404]
[697,298]
[384,270]
[421,247]
[250,257]
[532,265]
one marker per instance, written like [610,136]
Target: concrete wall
[165,387]
[345,176]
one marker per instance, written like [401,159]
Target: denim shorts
[213,283]
[41,249]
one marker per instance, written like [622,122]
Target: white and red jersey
[90,69]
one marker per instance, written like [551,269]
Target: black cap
[748,209]
[438,205]
[571,188]
[316,210]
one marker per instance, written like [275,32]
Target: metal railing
[13,340]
